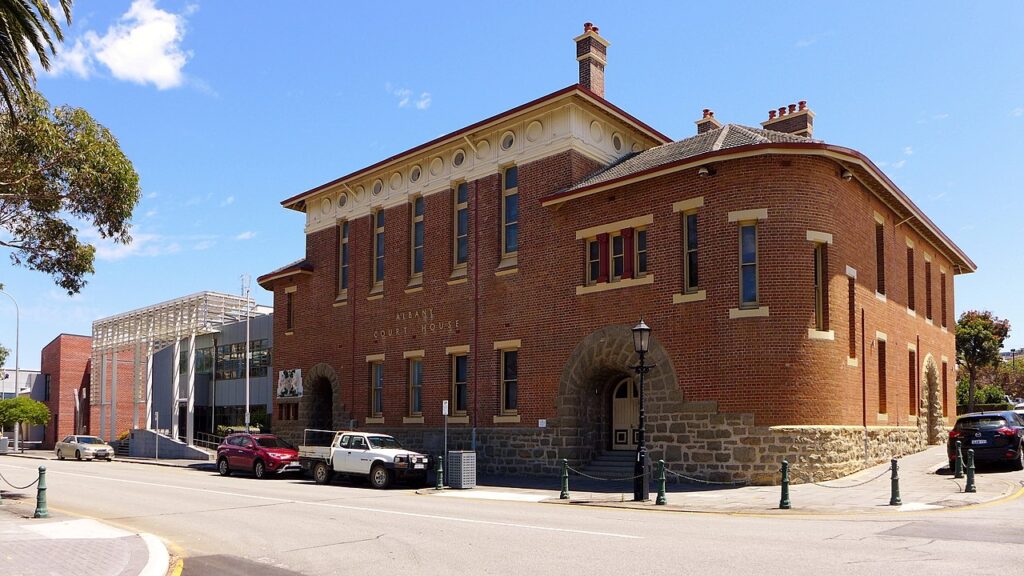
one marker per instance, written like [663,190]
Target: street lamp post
[641,472]
[17,355]
[248,313]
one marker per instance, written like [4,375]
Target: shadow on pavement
[224,565]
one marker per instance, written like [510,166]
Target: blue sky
[226,108]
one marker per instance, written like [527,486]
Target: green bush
[990,394]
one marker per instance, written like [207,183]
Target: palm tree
[26,26]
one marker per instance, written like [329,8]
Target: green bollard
[970,487]
[784,503]
[894,499]
[564,495]
[440,473]
[41,495]
[958,471]
[661,501]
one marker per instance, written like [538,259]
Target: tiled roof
[728,136]
[298,266]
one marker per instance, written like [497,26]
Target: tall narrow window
[510,212]
[343,259]
[593,261]
[748,264]
[460,387]
[415,386]
[640,265]
[289,307]
[377,389]
[880,257]
[690,277]
[945,389]
[618,256]
[417,238]
[912,384]
[821,287]
[460,247]
[509,381]
[942,298]
[910,279]
[881,377]
[928,290]
[378,249]
[852,291]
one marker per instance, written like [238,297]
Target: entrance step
[612,464]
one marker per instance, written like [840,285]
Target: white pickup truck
[377,457]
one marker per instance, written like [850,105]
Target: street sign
[444,407]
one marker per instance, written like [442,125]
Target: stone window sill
[412,420]
[454,281]
[289,333]
[374,420]
[341,300]
[506,271]
[414,289]
[852,362]
[911,312]
[689,297]
[507,419]
[813,334]
[605,286]
[377,296]
[461,419]
[759,312]
[881,296]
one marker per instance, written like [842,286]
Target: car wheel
[380,477]
[110,458]
[78,454]
[259,470]
[1018,463]
[223,468]
[321,473]
[60,455]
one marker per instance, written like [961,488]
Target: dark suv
[994,437]
[261,454]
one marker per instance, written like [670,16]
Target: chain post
[894,498]
[958,468]
[564,495]
[661,501]
[41,511]
[440,473]
[970,487]
[784,502]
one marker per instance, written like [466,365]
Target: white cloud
[151,213]
[423,102]
[247,235]
[406,97]
[143,46]
[204,245]
[1017,112]
[152,195]
[908,150]
[899,164]
[228,201]
[142,244]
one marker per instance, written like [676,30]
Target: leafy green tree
[4,352]
[26,27]
[979,337]
[24,410]
[59,169]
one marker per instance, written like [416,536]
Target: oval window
[414,175]
[459,158]
[617,142]
[508,140]
[377,187]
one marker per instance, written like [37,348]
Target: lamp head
[641,337]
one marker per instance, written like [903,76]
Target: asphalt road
[240,525]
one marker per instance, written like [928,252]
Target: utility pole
[248,314]
[17,357]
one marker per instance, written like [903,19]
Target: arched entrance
[321,413]
[936,425]
[625,415]
[321,405]
[589,382]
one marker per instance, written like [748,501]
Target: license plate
[101,453]
[979,441]
[417,466]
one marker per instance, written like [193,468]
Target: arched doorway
[321,415]
[936,425]
[625,415]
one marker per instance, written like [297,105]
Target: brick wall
[66,361]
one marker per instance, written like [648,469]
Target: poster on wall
[289,383]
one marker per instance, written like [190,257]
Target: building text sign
[420,320]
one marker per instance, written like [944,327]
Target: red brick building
[802,305]
[65,366]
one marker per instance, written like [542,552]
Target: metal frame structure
[144,332]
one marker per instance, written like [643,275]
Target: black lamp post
[641,472]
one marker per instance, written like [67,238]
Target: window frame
[376,408]
[289,316]
[880,257]
[415,388]
[593,276]
[691,274]
[378,254]
[507,191]
[414,220]
[912,380]
[911,285]
[883,377]
[457,209]
[943,306]
[637,272]
[344,256]
[927,289]
[455,384]
[503,407]
[821,317]
[744,304]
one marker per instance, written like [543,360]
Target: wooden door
[625,415]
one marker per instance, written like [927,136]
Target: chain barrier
[8,482]
[570,468]
[711,482]
[811,479]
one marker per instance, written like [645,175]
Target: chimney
[707,122]
[795,119]
[591,52]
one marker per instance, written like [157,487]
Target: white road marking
[343,507]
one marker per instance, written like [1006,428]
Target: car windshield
[384,442]
[273,442]
[982,422]
[89,440]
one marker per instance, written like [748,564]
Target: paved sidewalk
[62,546]
[925,484]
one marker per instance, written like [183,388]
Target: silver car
[89,447]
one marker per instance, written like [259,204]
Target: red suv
[261,454]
